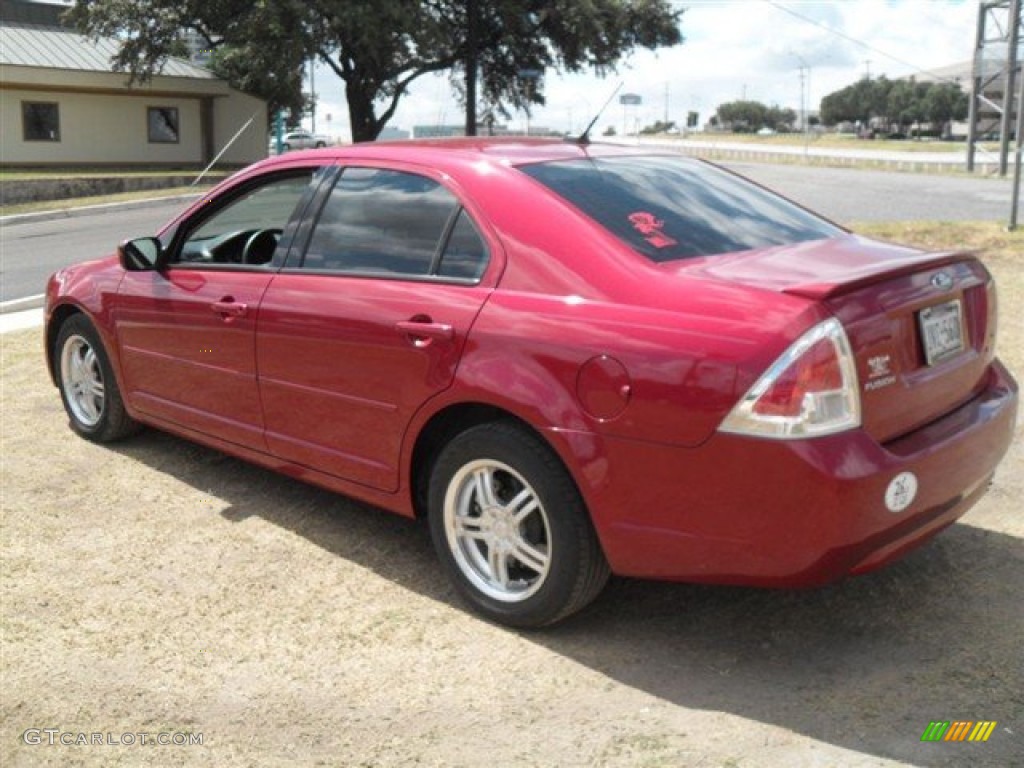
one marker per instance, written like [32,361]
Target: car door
[354,336]
[187,328]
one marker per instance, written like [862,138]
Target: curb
[85,210]
[19,305]
[19,321]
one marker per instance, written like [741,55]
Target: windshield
[675,208]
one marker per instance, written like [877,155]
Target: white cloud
[733,48]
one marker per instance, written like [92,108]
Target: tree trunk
[362,116]
[472,43]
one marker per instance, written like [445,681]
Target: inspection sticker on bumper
[901,492]
[942,331]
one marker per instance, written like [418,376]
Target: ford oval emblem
[942,281]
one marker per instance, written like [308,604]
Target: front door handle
[422,332]
[229,308]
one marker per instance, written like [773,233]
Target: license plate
[941,331]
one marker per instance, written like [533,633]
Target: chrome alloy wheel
[82,379]
[497,530]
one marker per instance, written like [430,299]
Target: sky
[732,48]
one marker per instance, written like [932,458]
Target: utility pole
[1015,202]
[805,75]
[472,45]
[666,105]
[803,103]
[312,93]
[867,69]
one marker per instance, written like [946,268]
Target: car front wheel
[511,529]
[87,385]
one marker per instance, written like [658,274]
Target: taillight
[811,390]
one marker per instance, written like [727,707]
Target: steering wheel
[260,247]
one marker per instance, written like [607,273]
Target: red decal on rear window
[649,225]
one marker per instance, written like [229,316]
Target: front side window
[40,121]
[389,222]
[162,124]
[247,229]
[673,208]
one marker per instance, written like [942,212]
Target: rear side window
[465,255]
[673,208]
[384,222]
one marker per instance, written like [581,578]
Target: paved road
[29,252]
[848,195]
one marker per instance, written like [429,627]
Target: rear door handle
[421,332]
[229,308]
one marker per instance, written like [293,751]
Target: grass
[80,202]
[168,587]
[836,141]
[1001,251]
[28,174]
[990,239]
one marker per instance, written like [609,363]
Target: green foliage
[895,104]
[658,126]
[258,47]
[379,48]
[752,116]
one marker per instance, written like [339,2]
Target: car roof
[440,152]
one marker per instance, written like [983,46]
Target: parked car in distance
[573,359]
[299,140]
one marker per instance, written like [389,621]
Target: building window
[163,125]
[40,120]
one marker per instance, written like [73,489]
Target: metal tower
[997,59]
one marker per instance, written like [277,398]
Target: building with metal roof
[63,104]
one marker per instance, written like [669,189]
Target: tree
[742,116]
[944,103]
[896,104]
[751,116]
[658,126]
[380,48]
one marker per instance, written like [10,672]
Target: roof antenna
[584,138]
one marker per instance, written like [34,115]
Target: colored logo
[958,730]
[649,225]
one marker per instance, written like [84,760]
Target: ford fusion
[572,359]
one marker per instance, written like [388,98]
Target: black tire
[320,145]
[87,384]
[526,564]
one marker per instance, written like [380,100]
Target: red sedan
[573,359]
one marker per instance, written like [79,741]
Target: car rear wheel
[87,385]
[511,529]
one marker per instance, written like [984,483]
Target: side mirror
[140,254]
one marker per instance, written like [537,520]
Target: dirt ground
[158,587]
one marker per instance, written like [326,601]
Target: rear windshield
[675,208]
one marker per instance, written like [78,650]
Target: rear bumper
[741,510]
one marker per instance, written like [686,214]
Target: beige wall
[109,126]
[230,114]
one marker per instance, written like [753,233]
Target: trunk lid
[921,325]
